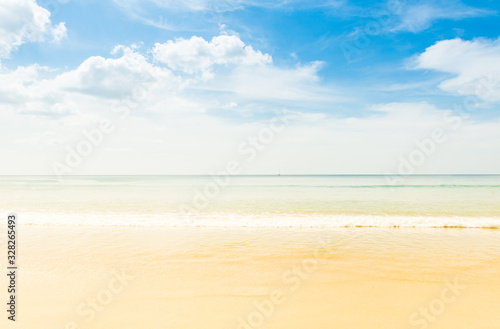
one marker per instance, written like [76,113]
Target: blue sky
[220,69]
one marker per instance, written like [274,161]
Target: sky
[205,87]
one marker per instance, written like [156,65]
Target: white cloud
[226,66]
[197,55]
[226,5]
[474,66]
[114,77]
[201,143]
[25,90]
[238,75]
[176,128]
[25,21]
[59,32]
[194,15]
[179,108]
[90,88]
[300,83]
[415,17]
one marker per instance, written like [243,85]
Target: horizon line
[242,175]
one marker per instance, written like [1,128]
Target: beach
[115,253]
[108,277]
[249,164]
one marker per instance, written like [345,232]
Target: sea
[297,201]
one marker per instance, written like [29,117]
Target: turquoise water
[282,201]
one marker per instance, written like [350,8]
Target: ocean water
[255,201]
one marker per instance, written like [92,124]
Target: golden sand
[119,277]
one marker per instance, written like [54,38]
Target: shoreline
[322,228]
[246,220]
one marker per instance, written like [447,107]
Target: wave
[255,220]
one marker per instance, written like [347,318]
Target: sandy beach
[138,277]
[249,164]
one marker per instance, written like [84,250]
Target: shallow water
[256,201]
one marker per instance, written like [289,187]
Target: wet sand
[139,277]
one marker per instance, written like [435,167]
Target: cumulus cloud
[196,55]
[194,75]
[177,104]
[37,90]
[114,77]
[59,32]
[225,67]
[474,66]
[26,91]
[25,21]
[176,128]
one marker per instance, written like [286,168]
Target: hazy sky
[297,86]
